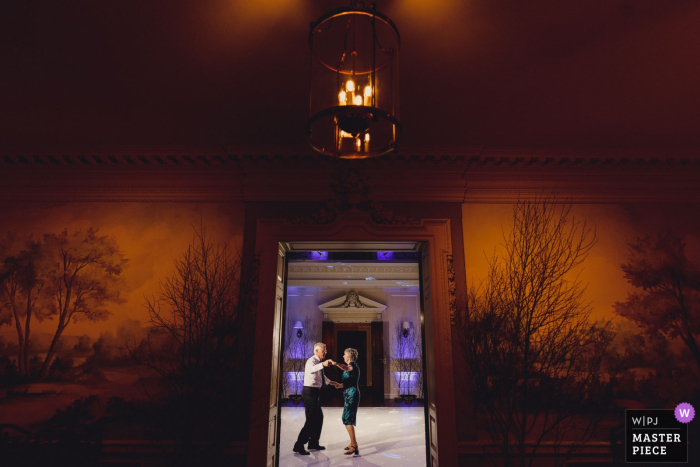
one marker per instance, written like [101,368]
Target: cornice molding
[335,271]
[476,175]
[491,158]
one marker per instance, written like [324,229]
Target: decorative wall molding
[451,287]
[472,175]
[338,275]
[335,270]
[472,156]
[351,192]
[352,308]
[435,236]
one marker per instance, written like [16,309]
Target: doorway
[354,231]
[357,340]
[368,339]
[349,299]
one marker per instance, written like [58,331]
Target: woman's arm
[343,367]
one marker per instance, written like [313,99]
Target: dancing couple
[314,383]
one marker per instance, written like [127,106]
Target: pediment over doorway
[352,308]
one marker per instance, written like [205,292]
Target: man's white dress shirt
[313,372]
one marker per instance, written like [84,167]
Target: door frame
[356,231]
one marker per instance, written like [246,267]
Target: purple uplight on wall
[411,376]
[405,352]
[319,255]
[294,376]
[385,255]
[296,381]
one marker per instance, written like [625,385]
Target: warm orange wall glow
[616,226]
[151,236]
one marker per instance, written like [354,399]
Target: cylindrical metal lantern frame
[354,102]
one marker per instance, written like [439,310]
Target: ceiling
[235,73]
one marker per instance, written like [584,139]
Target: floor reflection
[387,436]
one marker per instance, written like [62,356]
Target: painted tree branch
[88,277]
[669,296]
[534,358]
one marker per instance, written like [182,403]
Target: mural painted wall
[87,298]
[569,328]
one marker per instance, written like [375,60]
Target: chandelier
[354,102]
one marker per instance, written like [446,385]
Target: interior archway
[355,231]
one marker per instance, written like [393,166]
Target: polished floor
[387,436]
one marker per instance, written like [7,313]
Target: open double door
[368,338]
[375,346]
[354,232]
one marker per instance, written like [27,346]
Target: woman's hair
[352,353]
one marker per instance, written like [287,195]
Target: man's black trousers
[311,432]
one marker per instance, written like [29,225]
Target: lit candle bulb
[350,85]
[358,100]
[366,141]
[359,143]
[342,98]
[368,95]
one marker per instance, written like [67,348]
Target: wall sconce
[298,326]
[407,326]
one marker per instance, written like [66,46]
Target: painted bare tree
[85,276]
[534,359]
[10,291]
[668,300]
[199,348]
[22,278]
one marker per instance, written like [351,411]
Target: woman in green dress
[351,394]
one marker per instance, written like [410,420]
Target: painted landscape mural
[121,321]
[127,321]
[573,314]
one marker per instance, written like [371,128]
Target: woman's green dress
[351,393]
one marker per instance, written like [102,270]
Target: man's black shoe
[299,449]
[316,447]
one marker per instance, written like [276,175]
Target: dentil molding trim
[477,175]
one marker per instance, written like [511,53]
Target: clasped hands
[335,384]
